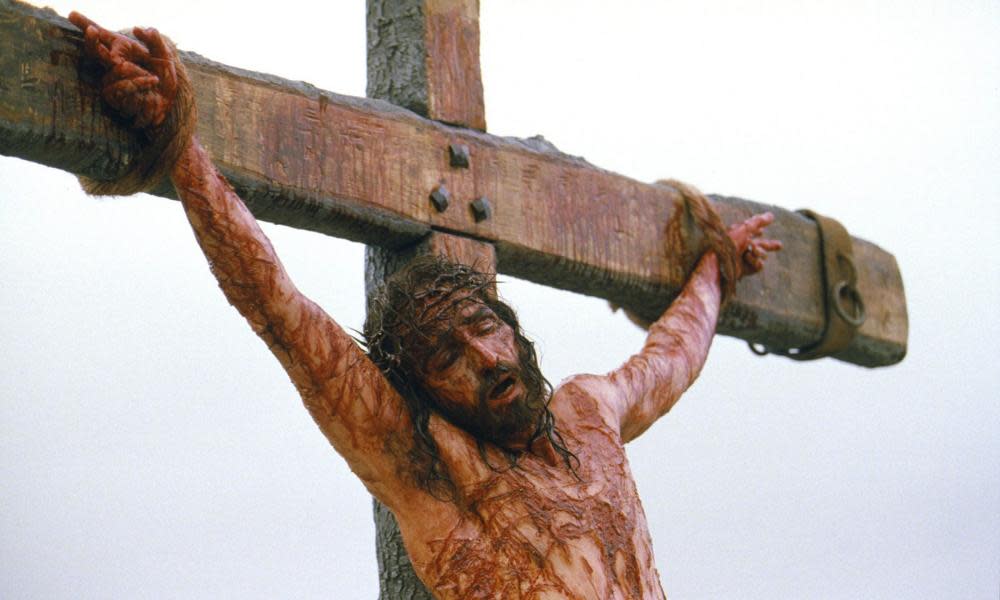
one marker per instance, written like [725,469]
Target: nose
[485,355]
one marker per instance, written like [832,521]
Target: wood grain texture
[363,170]
[424,55]
[454,80]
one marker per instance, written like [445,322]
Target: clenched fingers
[119,91]
[81,21]
[108,47]
[161,60]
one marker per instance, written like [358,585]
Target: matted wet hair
[399,339]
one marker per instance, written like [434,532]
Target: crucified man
[502,486]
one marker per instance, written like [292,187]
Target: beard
[521,419]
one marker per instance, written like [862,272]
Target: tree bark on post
[424,55]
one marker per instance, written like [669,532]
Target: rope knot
[163,144]
[716,234]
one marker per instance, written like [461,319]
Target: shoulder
[580,399]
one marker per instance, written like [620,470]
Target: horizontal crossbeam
[364,170]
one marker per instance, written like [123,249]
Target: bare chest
[539,531]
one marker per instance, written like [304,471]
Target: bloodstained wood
[363,170]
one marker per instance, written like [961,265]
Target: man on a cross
[502,487]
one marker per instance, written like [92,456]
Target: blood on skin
[536,529]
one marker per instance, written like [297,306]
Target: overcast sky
[151,447]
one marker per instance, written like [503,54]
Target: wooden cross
[365,170]
[370,171]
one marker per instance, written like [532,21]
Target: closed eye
[486,325]
[442,359]
[481,322]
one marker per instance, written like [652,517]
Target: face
[474,372]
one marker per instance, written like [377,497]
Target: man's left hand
[753,248]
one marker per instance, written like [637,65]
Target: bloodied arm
[651,381]
[346,394]
[348,397]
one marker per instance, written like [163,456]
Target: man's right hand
[140,80]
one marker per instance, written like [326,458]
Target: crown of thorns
[403,312]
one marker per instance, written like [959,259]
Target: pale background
[151,447]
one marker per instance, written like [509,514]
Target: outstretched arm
[348,397]
[650,382]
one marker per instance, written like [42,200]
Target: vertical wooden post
[422,55]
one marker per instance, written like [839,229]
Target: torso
[537,531]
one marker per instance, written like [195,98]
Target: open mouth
[503,388]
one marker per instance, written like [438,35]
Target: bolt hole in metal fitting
[458,155]
[440,198]
[481,209]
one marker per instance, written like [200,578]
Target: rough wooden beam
[364,169]
[425,55]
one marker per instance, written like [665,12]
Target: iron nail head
[481,209]
[459,155]
[440,198]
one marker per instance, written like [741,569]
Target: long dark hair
[397,340]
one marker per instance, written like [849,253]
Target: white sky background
[151,447]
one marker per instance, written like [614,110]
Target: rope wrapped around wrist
[163,145]
[716,234]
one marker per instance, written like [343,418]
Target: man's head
[448,344]
[440,334]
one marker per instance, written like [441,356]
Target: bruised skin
[539,532]
[535,531]
[140,80]
[353,404]
[650,382]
